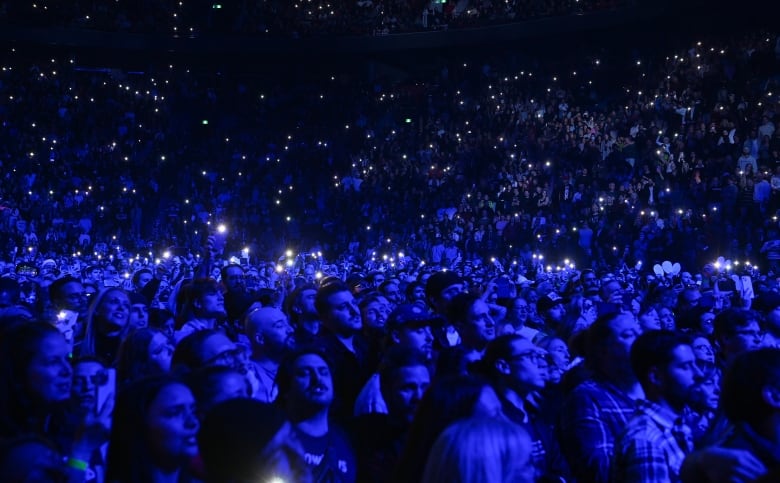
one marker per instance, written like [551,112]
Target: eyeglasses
[703,348]
[529,355]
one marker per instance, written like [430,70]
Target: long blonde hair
[88,344]
[481,449]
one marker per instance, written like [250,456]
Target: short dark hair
[654,348]
[56,287]
[728,322]
[743,383]
[284,374]
[393,361]
[321,303]
[596,338]
[459,307]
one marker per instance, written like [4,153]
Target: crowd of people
[493,273]
[291,19]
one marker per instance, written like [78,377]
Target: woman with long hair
[154,433]
[106,324]
[144,352]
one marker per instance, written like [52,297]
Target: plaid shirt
[594,414]
[653,446]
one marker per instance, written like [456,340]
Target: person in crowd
[88,374]
[470,316]
[204,307]
[378,436]
[139,311]
[480,450]
[344,344]
[107,324]
[164,321]
[299,306]
[154,432]
[270,336]
[449,399]
[306,392]
[67,293]
[234,281]
[749,452]
[207,348]
[391,289]
[409,326]
[213,384]
[737,331]
[511,363]
[656,439]
[143,353]
[596,411]
[36,377]
[552,310]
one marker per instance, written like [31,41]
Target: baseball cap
[410,315]
[548,301]
[439,281]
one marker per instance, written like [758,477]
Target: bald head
[268,330]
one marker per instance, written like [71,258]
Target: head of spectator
[164,321]
[441,288]
[448,399]
[203,300]
[409,326]
[143,353]
[403,379]
[751,396]
[139,311]
[242,440]
[206,348]
[667,317]
[373,310]
[35,377]
[67,293]
[415,292]
[89,373]
[141,278]
[481,449]
[269,332]
[471,317]
[558,351]
[737,331]
[154,431]
[300,306]
[233,278]
[336,307]
[516,311]
[608,346]
[705,394]
[551,307]
[665,366]
[688,299]
[375,279]
[305,384]
[702,349]
[391,289]
[213,384]
[107,323]
[648,318]
[590,283]
[94,276]
[511,362]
